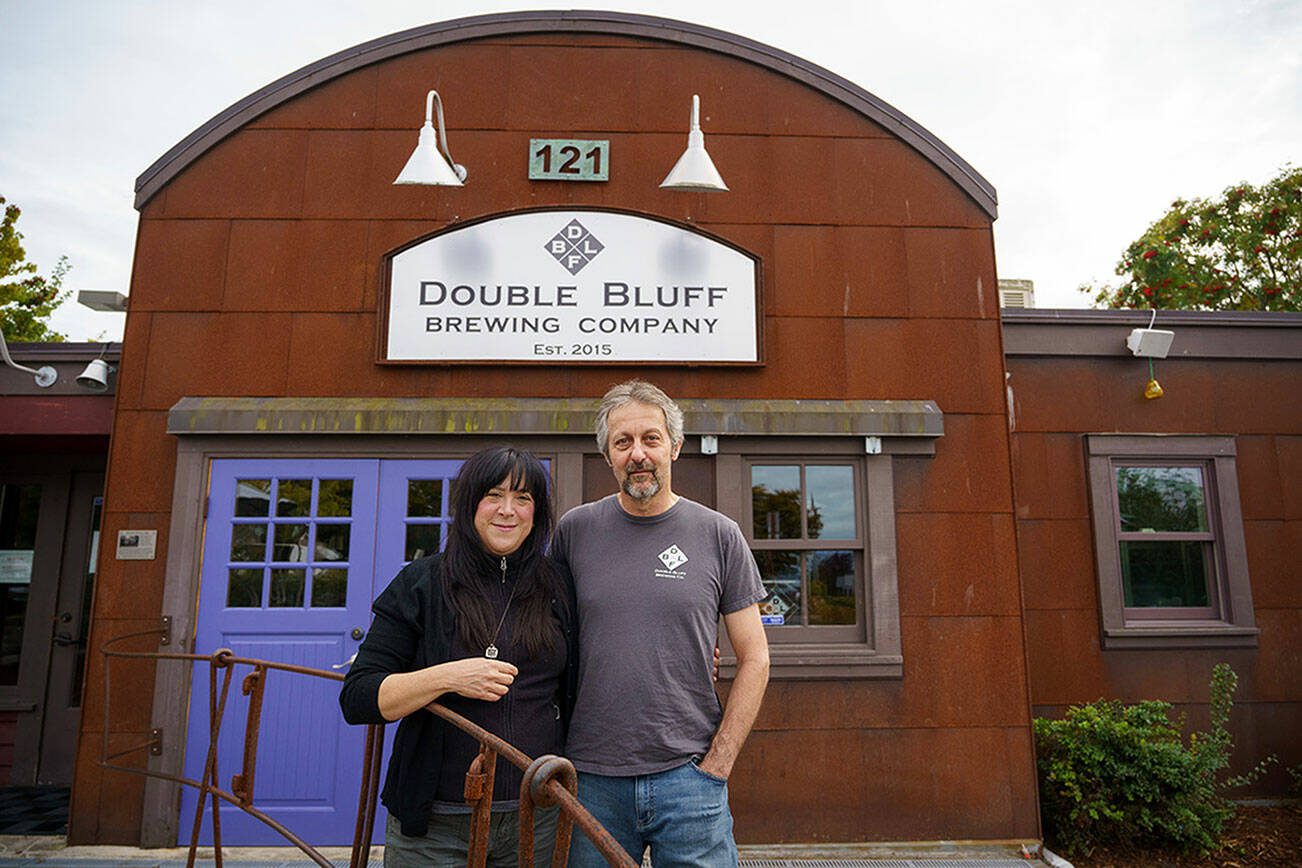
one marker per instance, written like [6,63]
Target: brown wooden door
[71,626]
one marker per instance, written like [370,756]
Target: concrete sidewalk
[17,851]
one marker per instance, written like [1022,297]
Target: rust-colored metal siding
[1237,389]
[257,272]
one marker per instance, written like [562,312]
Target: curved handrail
[548,780]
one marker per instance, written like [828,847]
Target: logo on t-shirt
[672,558]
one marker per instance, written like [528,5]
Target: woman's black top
[415,627]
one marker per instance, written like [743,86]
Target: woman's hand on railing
[475,677]
[479,677]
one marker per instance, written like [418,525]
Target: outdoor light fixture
[95,377]
[694,169]
[45,375]
[431,163]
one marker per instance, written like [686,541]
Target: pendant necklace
[491,651]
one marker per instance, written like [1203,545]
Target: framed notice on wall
[571,286]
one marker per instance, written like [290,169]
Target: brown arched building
[310,349]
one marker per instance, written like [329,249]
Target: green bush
[1111,772]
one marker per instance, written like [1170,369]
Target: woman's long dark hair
[472,574]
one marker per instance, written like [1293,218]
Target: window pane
[287,588]
[248,542]
[291,543]
[422,540]
[331,542]
[329,588]
[780,572]
[244,589]
[1157,499]
[1164,573]
[294,497]
[252,496]
[775,501]
[830,501]
[831,587]
[425,498]
[335,498]
[19,507]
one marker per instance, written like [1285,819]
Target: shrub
[1111,772]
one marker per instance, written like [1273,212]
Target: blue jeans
[682,814]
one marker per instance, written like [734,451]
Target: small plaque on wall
[137,545]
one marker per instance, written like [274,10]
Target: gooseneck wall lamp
[431,163]
[694,170]
[45,375]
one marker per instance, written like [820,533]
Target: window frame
[1228,621]
[857,545]
[874,649]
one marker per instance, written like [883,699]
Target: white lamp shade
[426,165]
[694,169]
[95,377]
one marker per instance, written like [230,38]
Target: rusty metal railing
[548,780]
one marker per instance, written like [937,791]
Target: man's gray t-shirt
[650,594]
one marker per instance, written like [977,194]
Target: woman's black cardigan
[413,628]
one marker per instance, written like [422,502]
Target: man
[653,573]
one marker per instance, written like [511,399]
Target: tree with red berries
[1241,251]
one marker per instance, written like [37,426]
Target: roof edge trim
[193,146]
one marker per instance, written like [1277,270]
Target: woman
[486,628]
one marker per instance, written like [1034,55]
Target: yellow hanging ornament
[1152,390]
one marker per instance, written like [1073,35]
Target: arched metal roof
[193,146]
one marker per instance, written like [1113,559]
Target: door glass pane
[331,542]
[87,595]
[291,543]
[780,572]
[19,506]
[831,587]
[335,498]
[252,497]
[775,501]
[1165,573]
[1157,499]
[329,588]
[830,501]
[248,542]
[244,589]
[422,540]
[425,498]
[294,497]
[287,588]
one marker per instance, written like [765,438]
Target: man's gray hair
[643,393]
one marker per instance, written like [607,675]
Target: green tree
[1241,251]
[26,298]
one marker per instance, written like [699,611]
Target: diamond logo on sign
[574,247]
[673,558]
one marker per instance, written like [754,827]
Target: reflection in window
[427,517]
[1155,499]
[310,526]
[795,509]
[19,508]
[1164,539]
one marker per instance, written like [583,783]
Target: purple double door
[294,553]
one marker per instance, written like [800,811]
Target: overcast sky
[1089,118]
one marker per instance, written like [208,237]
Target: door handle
[345,664]
[63,640]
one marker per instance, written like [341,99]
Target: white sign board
[572,286]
